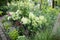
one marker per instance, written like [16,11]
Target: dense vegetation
[29,20]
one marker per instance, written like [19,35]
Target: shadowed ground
[2,35]
[56,29]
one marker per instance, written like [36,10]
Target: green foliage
[1,13]
[14,16]
[13,34]
[3,8]
[22,38]
[2,2]
[46,35]
[7,25]
[58,2]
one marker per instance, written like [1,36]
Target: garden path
[3,37]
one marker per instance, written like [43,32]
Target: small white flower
[8,4]
[36,18]
[41,17]
[11,13]
[34,23]
[25,20]
[17,11]
[31,15]
[9,18]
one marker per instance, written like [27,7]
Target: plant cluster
[25,20]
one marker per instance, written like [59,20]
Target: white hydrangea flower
[9,18]
[31,15]
[31,5]
[41,17]
[8,4]
[34,23]
[11,13]
[18,12]
[39,22]
[21,3]
[25,20]
[45,20]
[36,18]
[14,4]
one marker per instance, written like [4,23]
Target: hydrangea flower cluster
[25,15]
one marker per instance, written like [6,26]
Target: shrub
[13,34]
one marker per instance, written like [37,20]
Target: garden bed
[21,23]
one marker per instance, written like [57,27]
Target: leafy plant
[1,13]
[13,34]
[46,35]
[7,25]
[22,38]
[4,8]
